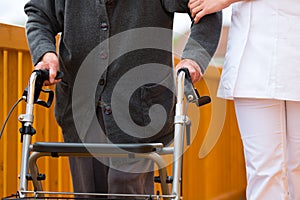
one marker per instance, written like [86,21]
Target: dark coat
[119,52]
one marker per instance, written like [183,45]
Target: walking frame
[186,93]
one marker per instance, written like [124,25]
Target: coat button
[102,81]
[107,110]
[103,55]
[104,26]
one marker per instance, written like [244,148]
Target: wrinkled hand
[192,66]
[49,62]
[200,8]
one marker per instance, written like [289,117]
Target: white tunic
[263,54]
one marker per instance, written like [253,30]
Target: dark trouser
[110,175]
[92,176]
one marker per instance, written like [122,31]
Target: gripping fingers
[52,72]
[199,16]
[195,7]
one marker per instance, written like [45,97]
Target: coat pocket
[157,105]
[62,101]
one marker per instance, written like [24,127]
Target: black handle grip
[191,92]
[45,74]
[203,100]
[187,74]
[42,75]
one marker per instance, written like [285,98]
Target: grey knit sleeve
[43,24]
[203,40]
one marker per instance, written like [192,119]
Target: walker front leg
[178,137]
[34,170]
[27,131]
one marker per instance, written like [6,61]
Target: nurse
[262,75]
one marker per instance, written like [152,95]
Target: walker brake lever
[191,92]
[49,101]
[42,75]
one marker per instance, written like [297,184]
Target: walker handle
[42,75]
[191,92]
[45,74]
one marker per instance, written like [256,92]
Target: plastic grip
[45,74]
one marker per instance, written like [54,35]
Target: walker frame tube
[26,138]
[159,161]
[178,137]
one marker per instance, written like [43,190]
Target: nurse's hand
[192,66]
[200,8]
[49,62]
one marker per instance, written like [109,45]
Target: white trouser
[270,131]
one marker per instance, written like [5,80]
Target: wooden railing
[213,166]
[15,69]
